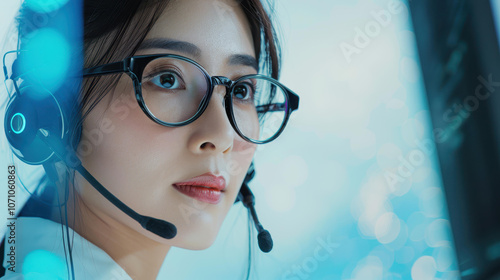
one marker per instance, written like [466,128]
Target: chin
[197,244]
[199,247]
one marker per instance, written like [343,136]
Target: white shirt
[39,253]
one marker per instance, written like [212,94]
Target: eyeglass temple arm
[276,107]
[112,68]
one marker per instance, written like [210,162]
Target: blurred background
[388,169]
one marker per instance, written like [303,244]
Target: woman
[169,116]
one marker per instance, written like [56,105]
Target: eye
[167,80]
[244,91]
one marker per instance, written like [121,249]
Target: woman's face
[139,161]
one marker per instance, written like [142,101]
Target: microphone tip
[265,241]
[159,227]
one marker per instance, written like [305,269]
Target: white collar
[43,238]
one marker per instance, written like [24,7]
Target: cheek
[242,155]
[237,167]
[127,152]
[118,135]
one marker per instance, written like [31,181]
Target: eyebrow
[169,44]
[195,52]
[244,59]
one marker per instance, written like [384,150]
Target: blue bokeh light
[46,59]
[45,6]
[41,264]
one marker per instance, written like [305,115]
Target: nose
[212,131]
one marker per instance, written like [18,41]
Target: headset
[37,130]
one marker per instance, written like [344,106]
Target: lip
[206,187]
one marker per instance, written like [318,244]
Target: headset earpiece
[32,108]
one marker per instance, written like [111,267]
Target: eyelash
[156,71]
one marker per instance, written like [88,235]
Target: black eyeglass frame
[134,67]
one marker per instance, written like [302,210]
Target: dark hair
[112,32]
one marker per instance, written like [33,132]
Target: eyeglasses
[174,91]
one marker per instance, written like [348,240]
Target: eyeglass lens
[173,90]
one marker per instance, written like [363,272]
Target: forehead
[218,28]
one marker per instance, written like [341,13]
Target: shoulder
[41,248]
